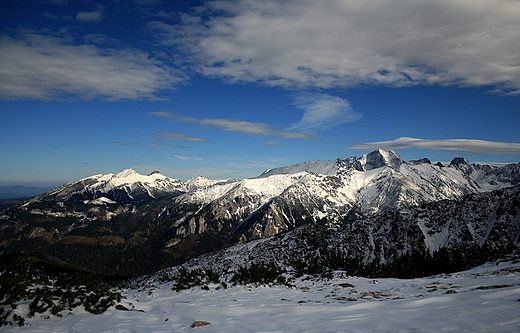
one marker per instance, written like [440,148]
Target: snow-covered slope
[315,166]
[483,299]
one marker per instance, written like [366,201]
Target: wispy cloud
[353,43]
[273,143]
[47,68]
[323,111]
[153,145]
[92,16]
[236,125]
[177,136]
[466,145]
[187,158]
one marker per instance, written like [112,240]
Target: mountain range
[376,209]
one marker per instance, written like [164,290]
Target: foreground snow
[483,299]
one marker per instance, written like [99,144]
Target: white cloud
[93,16]
[47,68]
[323,111]
[474,146]
[348,43]
[187,158]
[236,125]
[88,16]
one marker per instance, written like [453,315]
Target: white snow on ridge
[376,181]
[205,194]
[272,185]
[327,167]
[201,181]
[266,188]
[130,176]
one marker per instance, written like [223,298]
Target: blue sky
[227,89]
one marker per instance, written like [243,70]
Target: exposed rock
[200,323]
[368,295]
[458,161]
[420,161]
[496,286]
[122,307]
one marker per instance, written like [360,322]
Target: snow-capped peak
[379,158]
[127,173]
[130,176]
[128,182]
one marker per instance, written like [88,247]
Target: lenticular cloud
[351,43]
[474,146]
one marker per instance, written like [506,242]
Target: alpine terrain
[375,215]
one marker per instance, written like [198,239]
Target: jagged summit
[458,161]
[420,161]
[379,158]
[374,160]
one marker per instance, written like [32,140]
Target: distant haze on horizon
[228,89]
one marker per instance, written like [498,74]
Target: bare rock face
[200,323]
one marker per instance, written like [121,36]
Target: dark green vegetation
[413,264]
[50,288]
[129,243]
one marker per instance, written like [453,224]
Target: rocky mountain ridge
[132,224]
[282,199]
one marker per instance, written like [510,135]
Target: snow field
[484,299]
